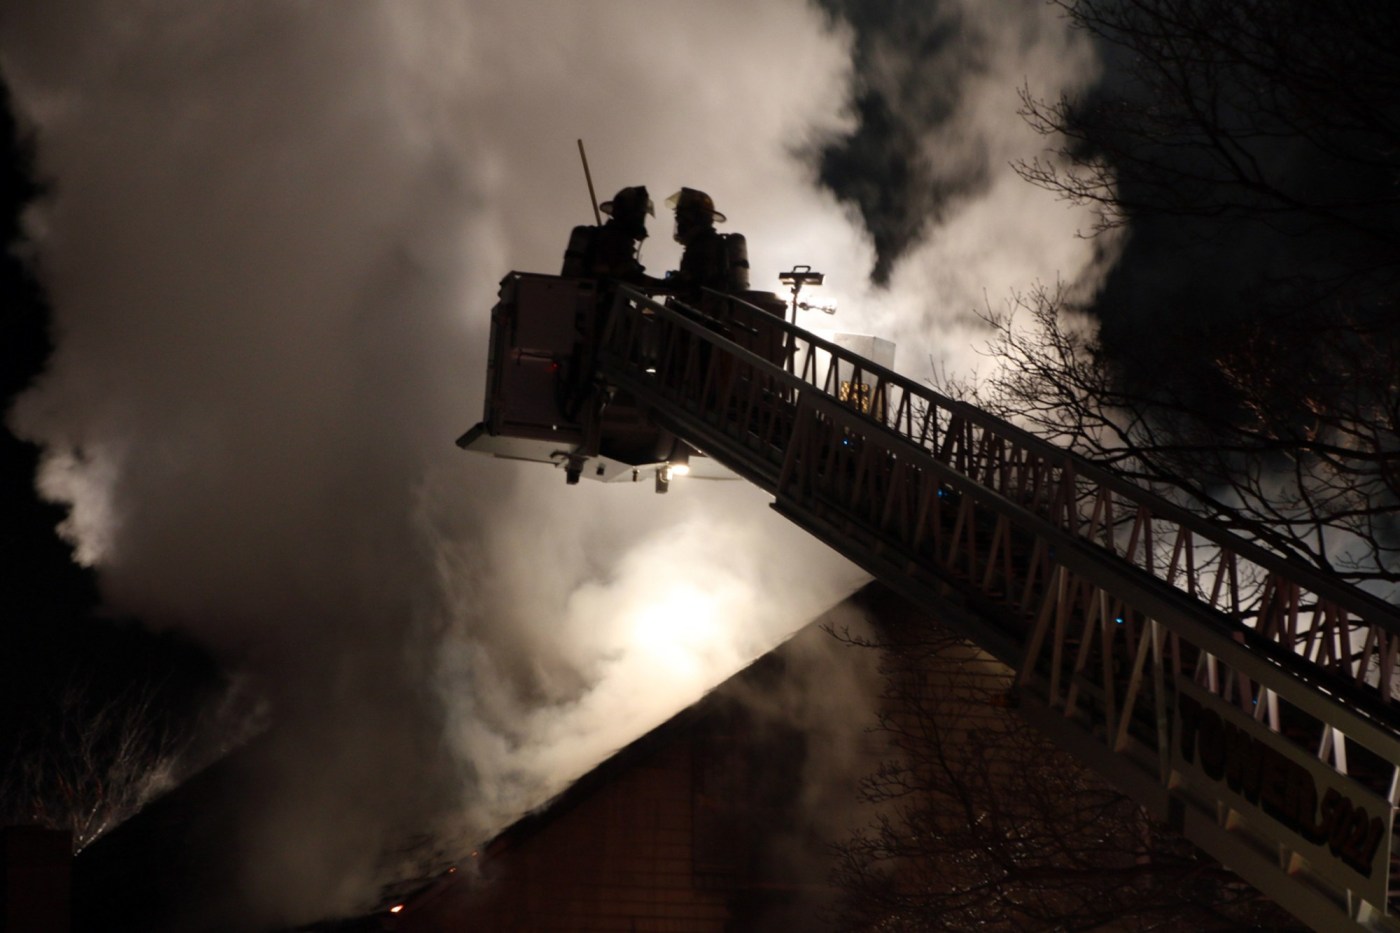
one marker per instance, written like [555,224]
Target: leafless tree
[94,760]
[986,825]
[91,765]
[1229,108]
[1303,458]
[1275,122]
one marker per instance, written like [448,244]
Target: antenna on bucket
[588,176]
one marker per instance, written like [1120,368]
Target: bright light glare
[678,629]
[396,908]
[680,469]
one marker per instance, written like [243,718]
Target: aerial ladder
[1247,699]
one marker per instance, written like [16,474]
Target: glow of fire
[675,629]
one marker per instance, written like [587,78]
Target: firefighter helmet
[629,202]
[688,199]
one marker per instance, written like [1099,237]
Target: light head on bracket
[799,276]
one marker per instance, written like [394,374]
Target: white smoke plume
[271,244]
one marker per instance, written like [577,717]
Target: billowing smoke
[926,161]
[271,245]
[913,68]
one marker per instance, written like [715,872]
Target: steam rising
[273,240]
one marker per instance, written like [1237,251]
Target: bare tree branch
[985,825]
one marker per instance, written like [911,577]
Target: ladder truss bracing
[1249,699]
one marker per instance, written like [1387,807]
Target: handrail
[1082,501]
[1318,581]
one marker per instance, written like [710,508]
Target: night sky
[268,238]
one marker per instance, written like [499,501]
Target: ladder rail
[916,412]
[1117,608]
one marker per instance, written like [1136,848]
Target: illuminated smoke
[272,245]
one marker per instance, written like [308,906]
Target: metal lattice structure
[1248,699]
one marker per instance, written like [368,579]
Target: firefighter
[711,259]
[608,254]
[610,251]
[719,262]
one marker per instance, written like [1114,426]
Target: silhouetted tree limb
[1230,99]
[984,824]
[95,759]
[1275,405]
[1304,460]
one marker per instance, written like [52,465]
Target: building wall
[720,820]
[621,859]
[35,870]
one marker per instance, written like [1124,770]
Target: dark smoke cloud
[911,68]
[925,165]
[1209,259]
[1257,287]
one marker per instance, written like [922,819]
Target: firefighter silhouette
[610,251]
[711,259]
